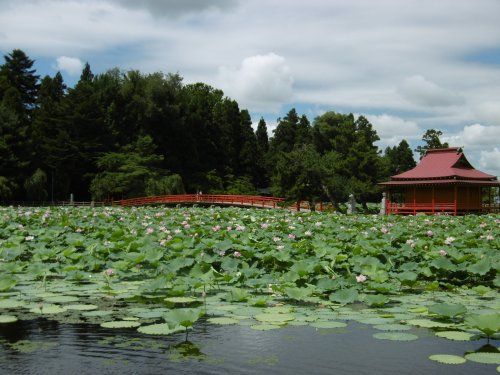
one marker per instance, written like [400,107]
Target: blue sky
[407,65]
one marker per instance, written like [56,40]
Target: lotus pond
[213,290]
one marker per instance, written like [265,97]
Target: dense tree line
[124,134]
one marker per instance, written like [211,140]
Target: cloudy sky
[407,65]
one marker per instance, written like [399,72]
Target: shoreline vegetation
[120,135]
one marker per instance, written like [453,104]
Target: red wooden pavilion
[443,182]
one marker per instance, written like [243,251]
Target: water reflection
[46,347]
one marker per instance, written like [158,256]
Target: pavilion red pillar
[433,201]
[455,201]
[414,200]
[490,201]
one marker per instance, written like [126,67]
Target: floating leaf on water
[375,321]
[7,319]
[328,324]
[274,318]
[481,357]
[447,359]
[418,310]
[223,321]
[392,327]
[181,300]
[455,335]
[97,313]
[120,324]
[61,299]
[10,303]
[264,327]
[427,323]
[48,309]
[395,336]
[159,329]
[82,307]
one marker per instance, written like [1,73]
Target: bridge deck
[230,200]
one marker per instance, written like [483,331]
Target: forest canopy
[126,134]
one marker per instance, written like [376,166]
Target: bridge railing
[229,199]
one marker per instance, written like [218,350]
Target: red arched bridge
[216,199]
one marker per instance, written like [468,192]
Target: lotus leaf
[120,324]
[447,359]
[48,309]
[159,329]
[483,357]
[392,327]
[182,317]
[395,336]
[447,310]
[344,296]
[455,335]
[7,319]
[264,327]
[489,324]
[181,300]
[328,324]
[222,321]
[376,300]
[10,303]
[274,318]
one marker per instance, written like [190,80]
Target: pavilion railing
[436,208]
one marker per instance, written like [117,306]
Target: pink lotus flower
[442,253]
[229,228]
[430,233]
[240,227]
[489,237]
[149,230]
[291,236]
[449,240]
[264,225]
[187,226]
[384,230]
[361,278]
[109,272]
[237,254]
[216,228]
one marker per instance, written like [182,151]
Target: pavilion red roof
[445,163]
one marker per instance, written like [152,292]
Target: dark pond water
[48,347]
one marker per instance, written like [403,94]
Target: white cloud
[419,90]
[393,129]
[409,59]
[490,161]
[489,112]
[71,65]
[262,82]
[475,137]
